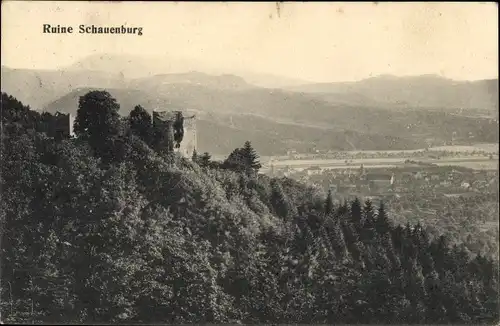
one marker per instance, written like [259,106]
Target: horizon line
[381,75]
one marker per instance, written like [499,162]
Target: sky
[312,41]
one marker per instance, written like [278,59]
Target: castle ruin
[61,125]
[179,131]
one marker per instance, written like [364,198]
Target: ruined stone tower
[62,125]
[179,131]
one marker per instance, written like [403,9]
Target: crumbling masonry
[179,131]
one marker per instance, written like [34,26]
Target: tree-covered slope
[116,231]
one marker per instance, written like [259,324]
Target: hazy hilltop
[231,95]
[132,66]
[135,67]
[270,80]
[40,87]
[127,98]
[426,91]
[157,82]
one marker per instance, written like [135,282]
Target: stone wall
[63,125]
[166,121]
[189,143]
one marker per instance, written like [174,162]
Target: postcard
[249,163]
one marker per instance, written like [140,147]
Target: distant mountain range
[158,82]
[132,67]
[384,112]
[426,91]
[38,88]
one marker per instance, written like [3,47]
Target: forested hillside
[108,227]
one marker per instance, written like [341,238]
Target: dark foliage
[243,159]
[154,238]
[141,124]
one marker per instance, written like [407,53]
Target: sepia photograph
[249,163]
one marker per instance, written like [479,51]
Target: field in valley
[461,158]
[478,163]
[488,148]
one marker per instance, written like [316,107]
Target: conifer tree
[356,213]
[279,201]
[329,203]
[342,212]
[337,240]
[205,159]
[194,157]
[368,232]
[382,223]
[368,212]
[251,157]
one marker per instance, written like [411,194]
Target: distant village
[380,183]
